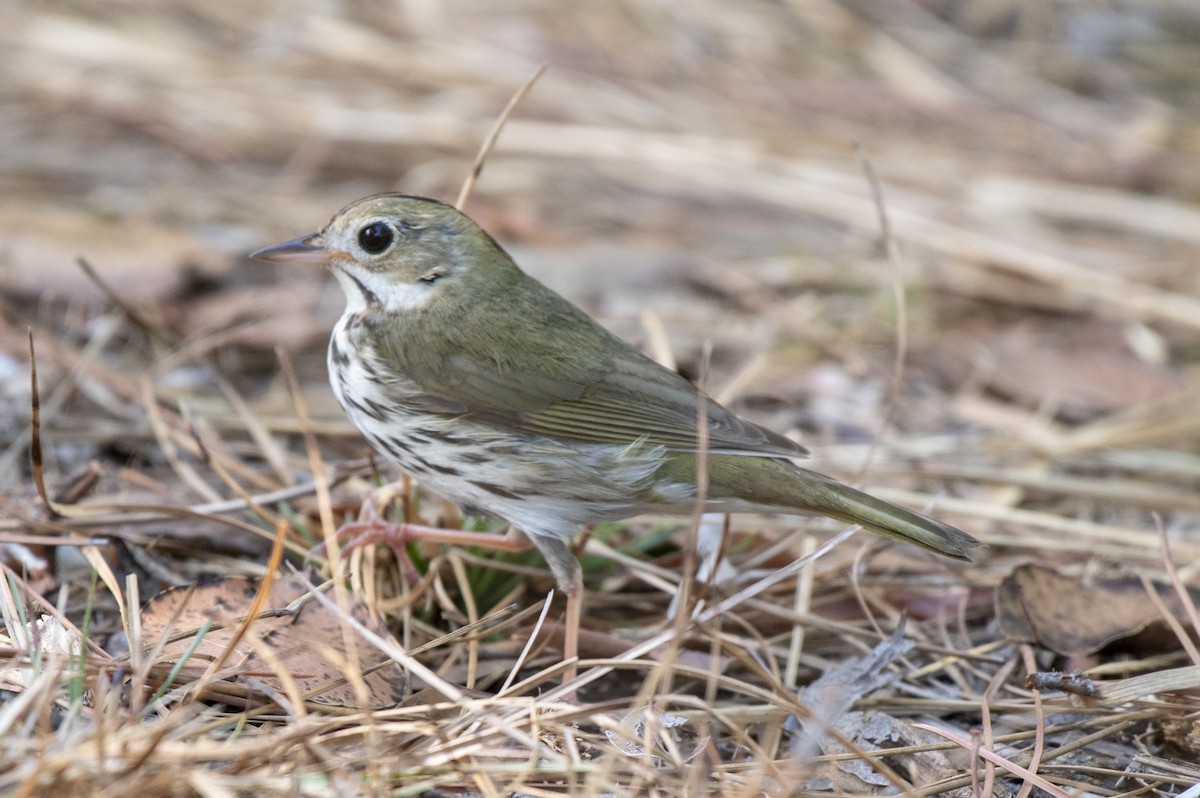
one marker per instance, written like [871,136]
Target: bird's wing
[575,382]
[634,398]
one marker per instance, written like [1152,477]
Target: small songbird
[494,391]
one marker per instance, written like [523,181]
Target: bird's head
[399,253]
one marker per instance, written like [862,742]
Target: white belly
[541,486]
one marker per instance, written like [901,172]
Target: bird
[494,391]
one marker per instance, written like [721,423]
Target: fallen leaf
[1075,615]
[309,643]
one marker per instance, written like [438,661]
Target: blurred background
[953,244]
[687,172]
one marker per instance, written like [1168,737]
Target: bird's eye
[375,237]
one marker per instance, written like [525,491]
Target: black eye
[375,237]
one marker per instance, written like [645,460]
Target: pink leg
[556,551]
[565,568]
[396,536]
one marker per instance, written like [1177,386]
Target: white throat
[393,297]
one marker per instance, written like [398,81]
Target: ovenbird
[496,392]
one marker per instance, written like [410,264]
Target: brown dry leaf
[1073,615]
[221,601]
[829,699]
[877,732]
[309,643]
[137,260]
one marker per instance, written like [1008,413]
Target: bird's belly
[542,490]
[541,486]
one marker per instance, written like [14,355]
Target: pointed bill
[307,249]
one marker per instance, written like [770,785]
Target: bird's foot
[396,536]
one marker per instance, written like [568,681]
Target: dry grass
[1019,353]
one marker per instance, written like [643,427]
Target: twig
[493,135]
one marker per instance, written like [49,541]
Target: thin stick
[892,248]
[991,756]
[1039,726]
[321,483]
[153,330]
[1181,591]
[488,143]
[524,655]
[37,463]
[256,605]
[801,604]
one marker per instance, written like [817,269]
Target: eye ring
[376,237]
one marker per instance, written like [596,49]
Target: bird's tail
[767,483]
[853,506]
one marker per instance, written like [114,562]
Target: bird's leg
[565,568]
[374,529]
[571,624]
[557,552]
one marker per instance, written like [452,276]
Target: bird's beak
[308,249]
